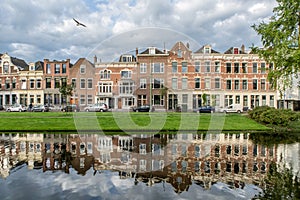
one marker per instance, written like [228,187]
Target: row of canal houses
[165,79]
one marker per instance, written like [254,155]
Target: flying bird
[78,23]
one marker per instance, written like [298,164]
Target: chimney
[243,48]
[136,51]
[95,59]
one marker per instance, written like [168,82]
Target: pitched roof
[21,64]
[201,50]
[157,51]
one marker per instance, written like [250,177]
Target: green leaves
[280,38]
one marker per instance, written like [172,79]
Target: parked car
[206,109]
[40,108]
[70,108]
[143,108]
[16,108]
[102,107]
[233,108]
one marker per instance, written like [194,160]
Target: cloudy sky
[34,30]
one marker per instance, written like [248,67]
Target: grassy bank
[126,121]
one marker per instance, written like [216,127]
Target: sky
[34,30]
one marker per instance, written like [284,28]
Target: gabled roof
[157,51]
[21,64]
[201,50]
[79,61]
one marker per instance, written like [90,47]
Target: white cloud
[47,26]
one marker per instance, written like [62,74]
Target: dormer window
[127,58]
[235,50]
[207,50]
[31,67]
[151,50]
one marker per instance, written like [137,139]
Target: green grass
[126,121]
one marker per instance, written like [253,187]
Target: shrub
[273,116]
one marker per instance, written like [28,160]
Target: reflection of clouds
[34,184]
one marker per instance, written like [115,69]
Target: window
[174,67]
[228,67]
[206,50]
[263,84]
[90,99]
[184,83]
[82,69]
[105,87]
[125,74]
[245,85]
[217,83]
[207,66]
[174,83]
[237,99]
[228,84]
[157,83]
[197,66]
[244,67]
[197,83]
[158,100]
[143,83]
[48,83]
[245,100]
[82,99]
[184,67]
[207,83]
[64,68]
[105,74]
[270,66]
[90,83]
[126,87]
[31,83]
[74,82]
[48,68]
[254,67]
[6,67]
[217,66]
[264,100]
[255,84]
[179,53]
[57,68]
[13,83]
[157,67]
[56,83]
[236,67]
[272,100]
[236,84]
[151,50]
[38,83]
[143,68]
[263,68]
[82,83]
[7,83]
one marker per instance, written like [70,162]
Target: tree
[66,90]
[280,38]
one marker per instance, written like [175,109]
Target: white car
[102,107]
[233,108]
[16,108]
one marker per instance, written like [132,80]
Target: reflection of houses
[288,156]
[177,159]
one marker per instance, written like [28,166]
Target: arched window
[5,67]
[105,74]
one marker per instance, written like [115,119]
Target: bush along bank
[279,119]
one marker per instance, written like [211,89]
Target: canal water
[140,166]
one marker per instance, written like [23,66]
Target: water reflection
[230,163]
